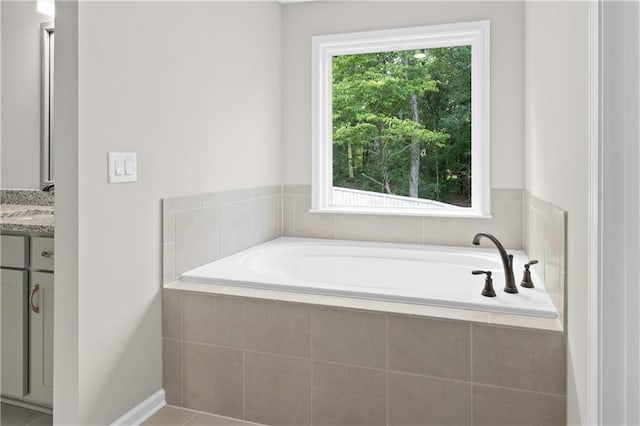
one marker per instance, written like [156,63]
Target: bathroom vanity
[27,266]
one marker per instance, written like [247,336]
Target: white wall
[302,21]
[619,178]
[195,89]
[20,35]
[556,153]
[66,346]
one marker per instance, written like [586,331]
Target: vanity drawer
[42,253]
[14,252]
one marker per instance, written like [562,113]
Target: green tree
[375,114]
[401,123]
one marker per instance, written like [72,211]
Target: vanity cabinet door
[41,337]
[14,332]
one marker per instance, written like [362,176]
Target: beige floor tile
[170,416]
[202,419]
[44,420]
[12,415]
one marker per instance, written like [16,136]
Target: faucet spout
[507,261]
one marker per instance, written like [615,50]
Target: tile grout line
[182,350]
[312,365]
[190,418]
[471,373]
[175,245]
[242,334]
[387,367]
[37,418]
[342,364]
[208,414]
[295,219]
[282,210]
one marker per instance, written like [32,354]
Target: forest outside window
[401,121]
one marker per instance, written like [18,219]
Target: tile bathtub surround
[202,228]
[318,365]
[545,239]
[506,223]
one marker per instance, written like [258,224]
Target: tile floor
[11,415]
[177,416]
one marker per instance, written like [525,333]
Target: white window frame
[324,48]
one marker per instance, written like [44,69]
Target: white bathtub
[429,275]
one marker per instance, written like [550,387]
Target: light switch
[119,165]
[129,167]
[122,167]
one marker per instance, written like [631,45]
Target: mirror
[27,95]
[47,52]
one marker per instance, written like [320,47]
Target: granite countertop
[27,218]
[28,211]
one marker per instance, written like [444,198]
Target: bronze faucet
[507,261]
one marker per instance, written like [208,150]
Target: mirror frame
[47,54]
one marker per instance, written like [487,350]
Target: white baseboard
[141,412]
[23,403]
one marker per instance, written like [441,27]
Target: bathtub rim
[369,305]
[416,251]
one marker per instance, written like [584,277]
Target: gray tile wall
[545,239]
[506,224]
[296,364]
[202,228]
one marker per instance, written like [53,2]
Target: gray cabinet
[41,337]
[13,294]
[27,318]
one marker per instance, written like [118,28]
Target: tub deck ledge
[482,317]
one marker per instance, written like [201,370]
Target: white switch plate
[117,162]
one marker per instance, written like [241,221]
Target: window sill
[452,213]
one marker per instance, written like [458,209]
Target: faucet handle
[488,290]
[527,282]
[531,262]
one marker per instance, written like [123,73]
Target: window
[401,121]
